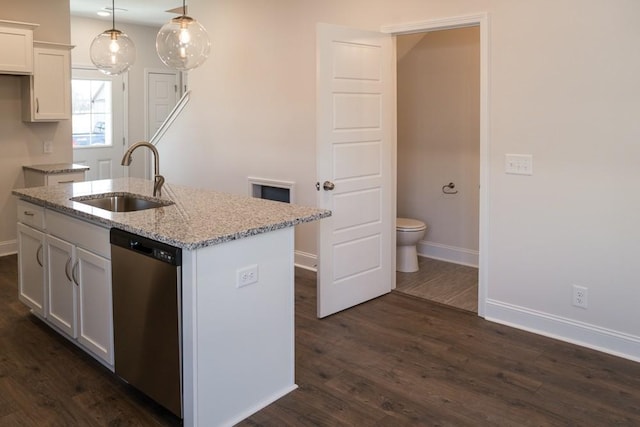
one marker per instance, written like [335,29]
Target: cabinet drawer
[64,178]
[81,233]
[30,214]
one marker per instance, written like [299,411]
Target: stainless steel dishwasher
[147,315]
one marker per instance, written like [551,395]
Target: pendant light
[182,43]
[112,51]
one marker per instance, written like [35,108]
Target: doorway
[481,22]
[438,160]
[366,59]
[163,89]
[98,122]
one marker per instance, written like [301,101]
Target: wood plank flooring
[47,381]
[394,361]
[444,282]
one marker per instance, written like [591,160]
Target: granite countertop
[198,217]
[57,168]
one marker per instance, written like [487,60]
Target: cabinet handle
[39,255]
[74,274]
[66,182]
[37,105]
[66,269]
[29,213]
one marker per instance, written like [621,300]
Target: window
[91,113]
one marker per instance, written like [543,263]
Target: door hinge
[175,88]
[123,88]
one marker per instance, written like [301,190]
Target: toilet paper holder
[449,188]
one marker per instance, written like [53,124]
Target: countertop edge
[56,168]
[188,245]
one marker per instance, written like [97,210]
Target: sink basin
[121,202]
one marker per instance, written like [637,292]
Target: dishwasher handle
[140,247]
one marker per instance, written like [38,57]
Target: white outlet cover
[518,164]
[247,275]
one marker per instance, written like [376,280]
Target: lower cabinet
[63,300]
[31,268]
[95,321]
[65,278]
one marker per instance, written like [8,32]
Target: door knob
[328,186]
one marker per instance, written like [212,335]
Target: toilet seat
[408,224]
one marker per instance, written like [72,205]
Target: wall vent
[271,189]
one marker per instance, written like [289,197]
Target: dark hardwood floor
[47,381]
[394,361]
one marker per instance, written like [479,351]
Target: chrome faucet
[158,179]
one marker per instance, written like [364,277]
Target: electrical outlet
[47,147]
[580,296]
[247,275]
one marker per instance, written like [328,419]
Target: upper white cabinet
[47,93]
[16,47]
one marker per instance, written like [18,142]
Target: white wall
[83,31]
[20,142]
[563,87]
[439,139]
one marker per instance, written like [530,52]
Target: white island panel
[238,341]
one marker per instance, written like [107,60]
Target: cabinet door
[16,47]
[31,268]
[95,324]
[49,88]
[62,301]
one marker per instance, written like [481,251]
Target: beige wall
[439,138]
[20,142]
[563,87]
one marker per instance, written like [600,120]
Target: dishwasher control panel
[164,255]
[145,246]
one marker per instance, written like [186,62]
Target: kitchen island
[237,341]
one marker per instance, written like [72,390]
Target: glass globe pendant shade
[183,43]
[112,52]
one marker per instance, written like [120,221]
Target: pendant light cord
[184,7]
[113,14]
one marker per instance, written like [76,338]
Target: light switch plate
[47,147]
[518,164]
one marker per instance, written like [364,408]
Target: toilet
[408,234]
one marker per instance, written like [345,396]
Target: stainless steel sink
[121,202]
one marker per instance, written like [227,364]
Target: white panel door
[162,95]
[355,138]
[100,144]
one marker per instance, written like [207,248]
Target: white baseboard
[448,253]
[9,247]
[568,330]
[306,260]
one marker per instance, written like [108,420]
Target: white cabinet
[16,47]
[79,283]
[31,268]
[47,93]
[62,302]
[95,331]
[65,276]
